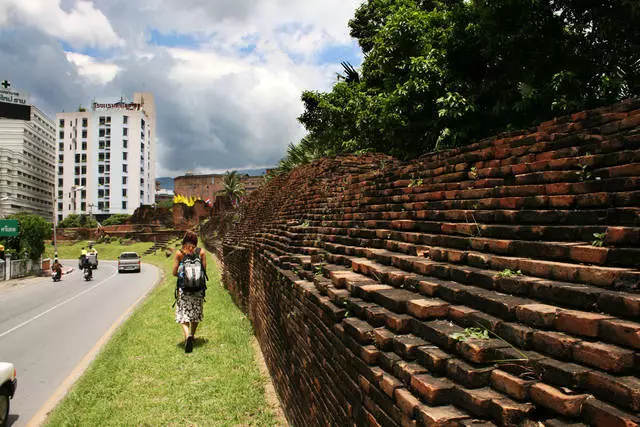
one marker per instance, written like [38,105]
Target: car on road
[129,261]
[8,385]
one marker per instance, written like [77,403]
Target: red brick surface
[361,288]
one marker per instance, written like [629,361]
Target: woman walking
[188,263]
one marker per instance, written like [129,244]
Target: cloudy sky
[226,74]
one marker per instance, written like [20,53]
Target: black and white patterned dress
[189,307]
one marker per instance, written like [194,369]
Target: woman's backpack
[192,277]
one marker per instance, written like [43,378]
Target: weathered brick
[360,330]
[432,358]
[624,391]
[434,391]
[540,315]
[407,402]
[600,414]
[557,344]
[476,401]
[427,308]
[510,413]
[399,323]
[468,375]
[406,345]
[580,322]
[565,404]
[519,335]
[389,384]
[604,356]
[407,370]
[480,350]
[621,332]
[562,374]
[383,338]
[440,416]
[512,385]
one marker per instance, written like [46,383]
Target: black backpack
[192,277]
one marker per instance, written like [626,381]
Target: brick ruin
[360,273]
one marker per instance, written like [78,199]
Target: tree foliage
[33,232]
[75,221]
[116,219]
[445,73]
[233,186]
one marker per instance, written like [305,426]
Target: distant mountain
[166,183]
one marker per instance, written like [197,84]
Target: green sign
[9,227]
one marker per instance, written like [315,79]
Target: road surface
[51,331]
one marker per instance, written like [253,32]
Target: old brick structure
[209,186]
[358,272]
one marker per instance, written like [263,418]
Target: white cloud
[94,70]
[83,25]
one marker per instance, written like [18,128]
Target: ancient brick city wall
[358,272]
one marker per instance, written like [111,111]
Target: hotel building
[27,156]
[106,157]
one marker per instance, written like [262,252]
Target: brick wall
[358,272]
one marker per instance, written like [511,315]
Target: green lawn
[143,377]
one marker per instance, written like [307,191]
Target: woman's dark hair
[190,237]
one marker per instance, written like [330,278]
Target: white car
[8,385]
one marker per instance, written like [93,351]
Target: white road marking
[26,322]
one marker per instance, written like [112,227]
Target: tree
[33,232]
[443,73]
[116,219]
[233,186]
[75,221]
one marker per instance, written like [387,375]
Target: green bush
[74,220]
[116,219]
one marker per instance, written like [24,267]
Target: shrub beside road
[143,377]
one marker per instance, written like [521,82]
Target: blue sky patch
[338,53]
[173,39]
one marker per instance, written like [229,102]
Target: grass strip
[143,377]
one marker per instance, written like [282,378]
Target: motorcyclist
[57,269]
[86,267]
[83,257]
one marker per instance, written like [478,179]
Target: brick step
[409,211]
[594,153]
[556,251]
[505,307]
[621,390]
[452,234]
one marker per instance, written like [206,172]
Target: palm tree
[233,186]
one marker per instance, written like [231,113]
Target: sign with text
[116,106]
[13,96]
[9,227]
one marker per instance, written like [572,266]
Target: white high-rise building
[106,157]
[27,156]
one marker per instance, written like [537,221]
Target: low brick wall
[359,275]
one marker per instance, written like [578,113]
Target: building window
[83,181]
[101,133]
[59,182]
[84,145]
[76,181]
[83,171]
[60,206]
[124,205]
[100,206]
[124,155]
[125,120]
[61,123]
[124,192]
[142,123]
[84,158]
[101,180]
[61,146]
[108,131]
[83,206]
[124,143]
[125,131]
[101,157]
[77,158]
[124,168]
[100,168]
[102,120]
[101,193]
[60,158]
[124,180]
[77,170]
[83,194]
[84,133]
[60,170]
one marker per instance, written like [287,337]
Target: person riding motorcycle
[83,257]
[86,267]
[57,270]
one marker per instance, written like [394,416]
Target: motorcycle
[88,274]
[56,276]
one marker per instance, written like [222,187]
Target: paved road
[50,331]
